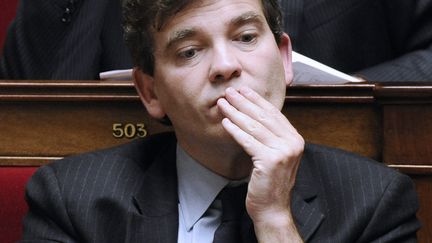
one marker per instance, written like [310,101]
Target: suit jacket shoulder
[91,197]
[360,200]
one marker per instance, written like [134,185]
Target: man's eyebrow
[180,35]
[245,18]
[248,18]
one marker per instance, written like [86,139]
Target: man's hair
[142,18]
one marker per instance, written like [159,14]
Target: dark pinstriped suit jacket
[129,194]
[64,39]
[379,39]
[382,40]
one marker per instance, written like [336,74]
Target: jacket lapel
[156,219]
[305,204]
[307,216]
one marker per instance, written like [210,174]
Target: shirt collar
[197,187]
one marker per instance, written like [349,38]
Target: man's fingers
[246,124]
[249,144]
[252,104]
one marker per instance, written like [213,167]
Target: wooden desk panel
[42,121]
[424,190]
[408,146]
[57,129]
[353,127]
[50,130]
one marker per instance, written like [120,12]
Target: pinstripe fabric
[382,40]
[293,12]
[98,197]
[361,200]
[129,194]
[40,45]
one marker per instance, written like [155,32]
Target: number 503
[129,130]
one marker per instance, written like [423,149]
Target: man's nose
[225,65]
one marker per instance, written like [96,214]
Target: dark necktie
[233,207]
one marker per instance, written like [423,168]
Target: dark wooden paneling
[424,190]
[353,127]
[407,124]
[408,134]
[57,129]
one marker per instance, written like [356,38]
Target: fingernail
[221,101]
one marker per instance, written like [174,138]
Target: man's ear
[144,85]
[286,54]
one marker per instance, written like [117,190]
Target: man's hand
[275,148]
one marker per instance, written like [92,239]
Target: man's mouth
[214,101]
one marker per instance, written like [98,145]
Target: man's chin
[223,138]
[214,116]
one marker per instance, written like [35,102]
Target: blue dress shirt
[199,212]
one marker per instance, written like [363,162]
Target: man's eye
[246,38]
[188,53]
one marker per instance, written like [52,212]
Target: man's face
[205,48]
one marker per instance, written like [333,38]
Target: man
[384,40]
[217,70]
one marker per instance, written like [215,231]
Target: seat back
[12,204]
[8,11]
